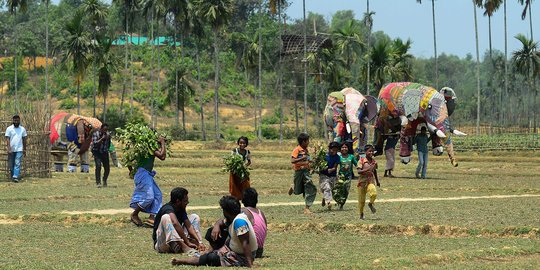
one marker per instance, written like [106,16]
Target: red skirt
[237,187]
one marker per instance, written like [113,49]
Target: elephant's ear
[371,109]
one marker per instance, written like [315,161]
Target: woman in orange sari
[237,185]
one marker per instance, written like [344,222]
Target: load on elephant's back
[72,131]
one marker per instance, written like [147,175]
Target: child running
[302,183]
[343,185]
[327,177]
[367,168]
[237,185]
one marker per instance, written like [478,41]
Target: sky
[454,23]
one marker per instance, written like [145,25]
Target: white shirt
[16,136]
[242,227]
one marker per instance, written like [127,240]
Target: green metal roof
[140,40]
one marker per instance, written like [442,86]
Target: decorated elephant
[346,115]
[406,105]
[73,133]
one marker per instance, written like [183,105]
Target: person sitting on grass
[302,182]
[256,217]
[327,177]
[241,245]
[175,231]
[367,168]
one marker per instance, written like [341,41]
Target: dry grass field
[483,214]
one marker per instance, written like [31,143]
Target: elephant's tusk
[459,133]
[440,134]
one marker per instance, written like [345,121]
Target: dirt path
[190,208]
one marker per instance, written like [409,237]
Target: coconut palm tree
[490,7]
[434,42]
[129,6]
[478,93]
[401,60]
[180,88]
[14,6]
[527,6]
[349,42]
[527,62]
[217,13]
[368,22]
[381,62]
[96,13]
[47,2]
[78,46]
[179,9]
[107,64]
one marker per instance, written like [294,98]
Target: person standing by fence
[16,147]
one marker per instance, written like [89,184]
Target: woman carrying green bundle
[141,146]
[240,182]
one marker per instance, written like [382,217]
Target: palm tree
[13,6]
[527,62]
[401,60]
[47,2]
[107,63]
[96,13]
[434,42]
[179,9]
[129,7]
[381,62]
[490,7]
[477,72]
[349,42]
[217,13]
[180,88]
[527,6]
[78,46]
[368,22]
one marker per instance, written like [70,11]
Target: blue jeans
[422,163]
[15,159]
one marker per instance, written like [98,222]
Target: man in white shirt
[16,146]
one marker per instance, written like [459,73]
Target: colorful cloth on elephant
[55,133]
[147,194]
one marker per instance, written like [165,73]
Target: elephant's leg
[85,163]
[72,161]
[436,145]
[405,143]
[451,153]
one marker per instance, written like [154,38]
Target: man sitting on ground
[241,245]
[174,231]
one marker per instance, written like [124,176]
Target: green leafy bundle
[319,163]
[139,142]
[235,164]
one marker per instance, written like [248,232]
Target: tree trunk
[489,30]
[47,60]
[177,120]
[435,46]
[152,72]
[259,130]
[132,80]
[477,73]
[505,61]
[202,92]
[530,20]
[105,107]
[94,86]
[15,60]
[368,46]
[280,80]
[158,65]
[305,68]
[296,107]
[216,84]
[78,97]
[124,80]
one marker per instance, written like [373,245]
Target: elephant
[346,114]
[405,105]
[73,133]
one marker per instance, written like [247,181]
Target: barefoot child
[367,168]
[327,177]
[343,185]
[237,185]
[303,183]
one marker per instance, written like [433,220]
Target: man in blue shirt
[16,147]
